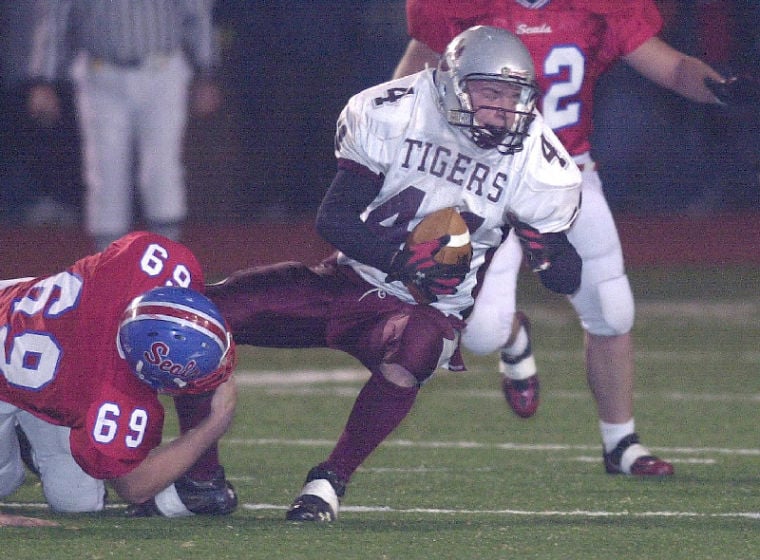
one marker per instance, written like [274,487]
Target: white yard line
[453,511]
[505,446]
[518,512]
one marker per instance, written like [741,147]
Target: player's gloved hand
[537,246]
[188,497]
[551,255]
[736,90]
[426,279]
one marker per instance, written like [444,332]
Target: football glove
[551,255]
[537,246]
[736,90]
[426,278]
[190,497]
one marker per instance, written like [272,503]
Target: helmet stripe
[185,315]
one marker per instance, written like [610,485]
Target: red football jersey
[572,43]
[58,355]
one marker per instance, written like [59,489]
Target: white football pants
[604,301]
[66,486]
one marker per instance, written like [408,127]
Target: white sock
[613,433]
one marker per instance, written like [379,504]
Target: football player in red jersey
[90,348]
[572,43]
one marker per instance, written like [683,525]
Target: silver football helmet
[487,53]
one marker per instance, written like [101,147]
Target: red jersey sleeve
[436,22]
[631,26]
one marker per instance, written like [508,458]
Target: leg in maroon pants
[289,305]
[410,343]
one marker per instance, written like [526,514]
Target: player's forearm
[417,57]
[165,464]
[170,461]
[674,70]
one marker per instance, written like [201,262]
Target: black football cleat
[215,496]
[631,458]
[208,497]
[319,498]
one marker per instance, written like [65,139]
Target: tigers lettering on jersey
[457,169]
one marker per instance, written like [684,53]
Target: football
[449,222]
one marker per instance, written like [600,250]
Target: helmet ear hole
[173,336]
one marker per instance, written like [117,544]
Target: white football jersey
[396,130]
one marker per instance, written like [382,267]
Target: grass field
[463,477]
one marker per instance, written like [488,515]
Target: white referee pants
[125,112]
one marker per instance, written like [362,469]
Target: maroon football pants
[290,305]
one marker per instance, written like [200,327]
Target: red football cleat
[630,457]
[521,395]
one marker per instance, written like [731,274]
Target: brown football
[445,222]
[437,224]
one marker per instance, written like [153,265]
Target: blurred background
[287,68]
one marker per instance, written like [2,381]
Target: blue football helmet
[175,340]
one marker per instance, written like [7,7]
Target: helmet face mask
[483,55]
[174,339]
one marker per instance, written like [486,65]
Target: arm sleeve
[436,22]
[629,27]
[339,216]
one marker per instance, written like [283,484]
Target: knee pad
[66,486]
[422,342]
[488,332]
[606,308]
[69,490]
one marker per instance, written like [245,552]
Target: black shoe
[208,497]
[201,497]
[319,497]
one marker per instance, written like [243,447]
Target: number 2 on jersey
[558,112]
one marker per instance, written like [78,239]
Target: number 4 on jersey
[550,152]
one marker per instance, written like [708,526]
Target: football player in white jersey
[465,135]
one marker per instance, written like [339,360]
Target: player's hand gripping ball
[435,258]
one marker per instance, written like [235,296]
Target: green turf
[463,478]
